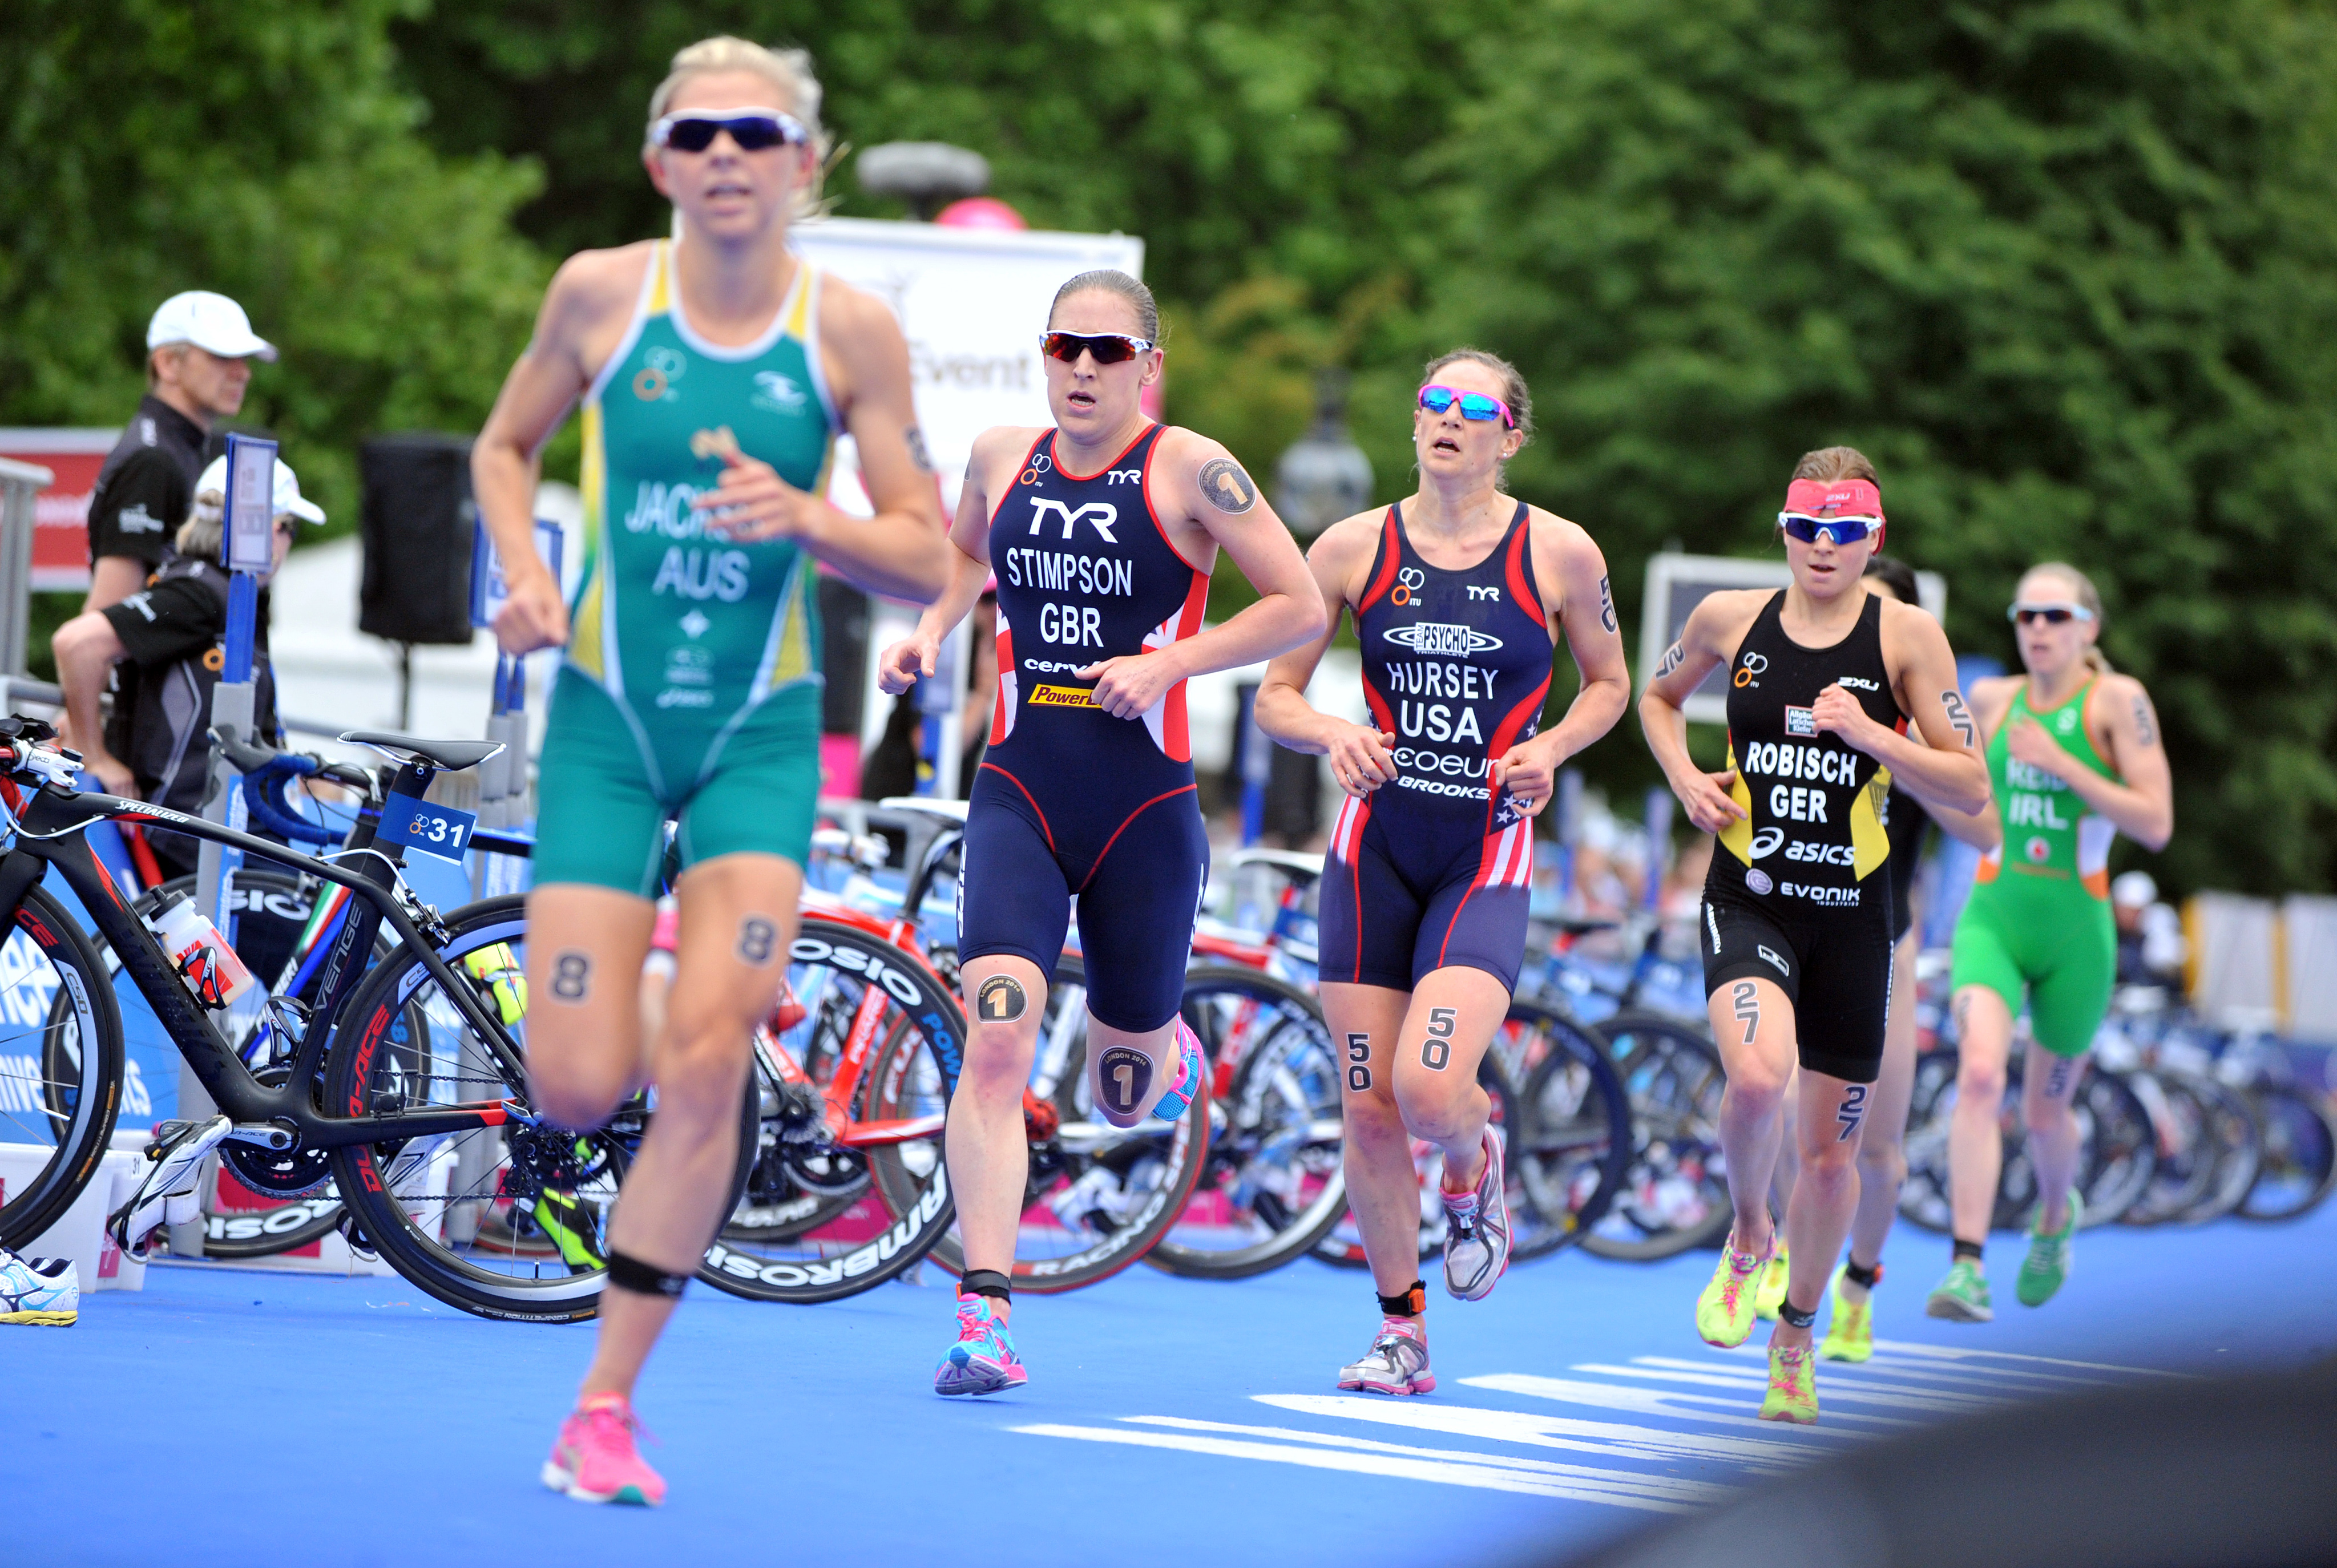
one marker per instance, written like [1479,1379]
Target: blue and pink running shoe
[594,1459]
[982,1361]
[1178,1097]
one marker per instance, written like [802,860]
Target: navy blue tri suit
[1431,869]
[1070,801]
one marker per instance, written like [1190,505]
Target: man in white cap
[199,351]
[175,631]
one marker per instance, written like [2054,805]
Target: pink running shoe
[982,1361]
[1397,1362]
[595,1460]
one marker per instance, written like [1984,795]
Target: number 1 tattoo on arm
[1745,999]
[1960,716]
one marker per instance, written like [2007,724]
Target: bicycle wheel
[1272,1185]
[1673,1196]
[1574,1147]
[1342,1245]
[455,1213]
[2237,1141]
[1099,1197]
[823,1215]
[2300,1154]
[2120,1152]
[2187,1147]
[60,1065]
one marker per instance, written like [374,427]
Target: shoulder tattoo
[915,441]
[2145,723]
[1607,606]
[1674,657]
[1959,716]
[1227,487]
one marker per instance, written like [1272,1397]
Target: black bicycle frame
[50,832]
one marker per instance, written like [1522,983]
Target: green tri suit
[690,692]
[2039,918]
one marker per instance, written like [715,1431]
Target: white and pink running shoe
[1397,1362]
[594,1459]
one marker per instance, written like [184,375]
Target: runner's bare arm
[1944,767]
[1985,707]
[2141,800]
[1202,494]
[1358,755]
[1566,555]
[988,469]
[1713,629]
[590,290]
[898,551]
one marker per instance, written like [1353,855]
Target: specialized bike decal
[758,938]
[1359,1058]
[572,975]
[1853,1107]
[1000,1000]
[1123,1075]
[1436,1050]
[1745,998]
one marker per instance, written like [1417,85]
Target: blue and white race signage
[418,825]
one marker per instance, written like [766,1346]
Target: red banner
[61,512]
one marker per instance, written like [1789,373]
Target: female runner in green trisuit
[2073,755]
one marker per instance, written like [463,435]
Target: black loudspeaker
[419,523]
[844,655]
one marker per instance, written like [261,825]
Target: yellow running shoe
[1793,1385]
[1772,1290]
[1850,1333]
[1724,1312]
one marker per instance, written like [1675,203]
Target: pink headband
[1834,497]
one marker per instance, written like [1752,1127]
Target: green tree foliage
[262,149]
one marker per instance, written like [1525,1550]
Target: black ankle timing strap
[1966,1250]
[1412,1304]
[1864,1279]
[986,1282]
[1793,1316]
[628,1274]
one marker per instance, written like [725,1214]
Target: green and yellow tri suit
[691,687]
[2039,917]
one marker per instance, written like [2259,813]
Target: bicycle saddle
[453,756]
[948,810]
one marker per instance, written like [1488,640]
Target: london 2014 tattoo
[1745,1000]
[572,976]
[1853,1107]
[2146,726]
[915,438]
[1000,1000]
[1674,657]
[1359,1062]
[1958,717]
[1607,606]
[1123,1074]
[1227,486]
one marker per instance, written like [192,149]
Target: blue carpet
[234,1417]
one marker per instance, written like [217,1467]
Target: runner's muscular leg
[2047,1085]
[1975,1137]
[1125,1101]
[987,1146]
[1832,1117]
[1453,1015]
[1882,1147]
[738,922]
[584,953]
[1382,1186]
[1753,1024]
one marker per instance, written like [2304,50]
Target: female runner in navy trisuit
[1101,533]
[1458,594]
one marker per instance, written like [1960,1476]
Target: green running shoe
[567,1224]
[1724,1312]
[1850,1332]
[1771,1293]
[2046,1267]
[1962,1296]
[1793,1386]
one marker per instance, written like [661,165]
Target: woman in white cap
[174,630]
[199,351]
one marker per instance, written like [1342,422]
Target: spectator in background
[175,632]
[198,349]
[890,767]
